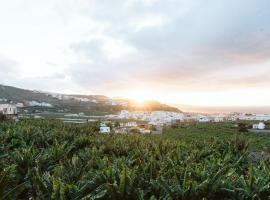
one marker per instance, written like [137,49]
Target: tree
[153,128]
[242,127]
[117,124]
[110,125]
[2,117]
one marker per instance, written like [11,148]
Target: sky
[208,53]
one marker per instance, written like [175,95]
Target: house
[121,130]
[144,131]
[9,110]
[204,119]
[131,124]
[104,129]
[219,117]
[260,126]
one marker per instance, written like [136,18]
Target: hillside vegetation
[47,159]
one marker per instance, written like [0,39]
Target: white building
[42,104]
[260,126]
[8,109]
[104,129]
[131,124]
[201,118]
[144,131]
[122,130]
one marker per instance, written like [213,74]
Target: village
[152,122]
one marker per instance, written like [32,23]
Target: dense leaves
[47,159]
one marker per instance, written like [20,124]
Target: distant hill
[38,101]
[150,106]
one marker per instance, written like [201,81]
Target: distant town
[142,122]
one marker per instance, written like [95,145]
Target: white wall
[104,129]
[8,109]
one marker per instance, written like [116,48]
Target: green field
[221,131]
[48,159]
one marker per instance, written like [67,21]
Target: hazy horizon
[224,109]
[209,54]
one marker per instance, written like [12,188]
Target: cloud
[112,46]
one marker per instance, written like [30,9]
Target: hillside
[38,101]
[150,106]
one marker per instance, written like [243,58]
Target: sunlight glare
[141,96]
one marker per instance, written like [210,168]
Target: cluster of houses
[42,104]
[166,118]
[159,119]
[163,118]
[113,102]
[154,117]
[125,127]
[146,128]
[152,121]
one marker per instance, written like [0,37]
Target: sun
[141,96]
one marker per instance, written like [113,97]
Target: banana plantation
[48,159]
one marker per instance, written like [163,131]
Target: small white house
[104,129]
[204,119]
[260,126]
[8,109]
[219,118]
[131,124]
[144,131]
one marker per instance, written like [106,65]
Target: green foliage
[48,159]
[221,131]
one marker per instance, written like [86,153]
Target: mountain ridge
[75,103]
